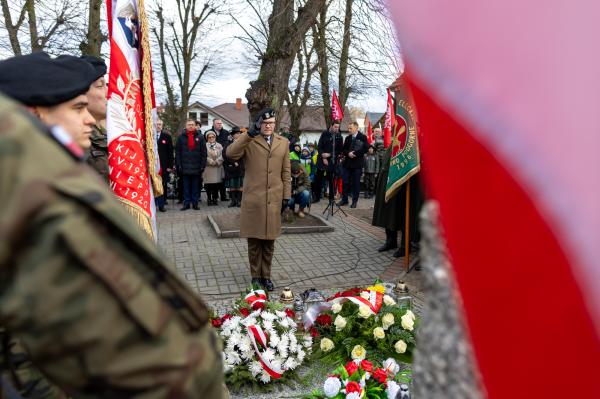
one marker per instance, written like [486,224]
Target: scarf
[191,141]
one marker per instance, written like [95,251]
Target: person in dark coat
[325,163]
[392,215]
[234,174]
[165,153]
[224,137]
[191,161]
[355,147]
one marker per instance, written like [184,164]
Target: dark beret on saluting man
[39,80]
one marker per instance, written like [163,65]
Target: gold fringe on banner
[147,88]
[140,216]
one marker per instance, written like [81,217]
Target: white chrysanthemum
[293,348]
[235,338]
[301,355]
[267,325]
[284,323]
[284,352]
[290,363]
[291,322]
[247,355]
[332,387]
[264,377]
[230,347]
[269,354]
[268,316]
[308,341]
[245,344]
[249,321]
[280,314]
[353,395]
[255,368]
[276,364]
[225,332]
[233,358]
[274,340]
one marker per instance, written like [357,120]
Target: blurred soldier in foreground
[87,294]
[96,95]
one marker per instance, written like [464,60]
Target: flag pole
[406,228]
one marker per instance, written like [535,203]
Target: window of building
[193,115]
[204,118]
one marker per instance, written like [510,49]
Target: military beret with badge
[39,80]
[266,113]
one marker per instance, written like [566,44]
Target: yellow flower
[358,353]
[378,333]
[387,320]
[327,345]
[400,346]
[364,311]
[377,287]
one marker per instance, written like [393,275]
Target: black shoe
[232,204]
[185,208]
[268,284]
[342,203]
[224,199]
[399,252]
[196,207]
[256,283]
[162,209]
[353,205]
[238,204]
[387,246]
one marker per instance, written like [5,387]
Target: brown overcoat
[266,183]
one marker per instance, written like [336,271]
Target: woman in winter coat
[213,174]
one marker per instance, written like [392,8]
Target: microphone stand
[330,210]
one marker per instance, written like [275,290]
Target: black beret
[38,79]
[235,129]
[98,64]
[267,113]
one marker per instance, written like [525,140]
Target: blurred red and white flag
[336,110]
[508,96]
[131,117]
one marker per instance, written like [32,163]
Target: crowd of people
[198,162]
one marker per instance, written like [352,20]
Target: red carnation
[290,313]
[216,323]
[245,312]
[314,332]
[258,305]
[324,320]
[380,375]
[367,366]
[351,368]
[352,386]
[226,316]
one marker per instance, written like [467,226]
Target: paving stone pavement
[218,267]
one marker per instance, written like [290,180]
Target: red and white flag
[336,110]
[369,126]
[388,124]
[507,93]
[130,123]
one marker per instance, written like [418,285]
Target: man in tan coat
[267,189]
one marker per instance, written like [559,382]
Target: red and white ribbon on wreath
[255,297]
[258,336]
[373,303]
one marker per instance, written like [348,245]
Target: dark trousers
[222,191]
[369,180]
[320,181]
[191,189]
[260,255]
[162,200]
[351,180]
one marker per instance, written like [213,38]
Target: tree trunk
[342,77]
[33,32]
[94,38]
[285,39]
[13,29]
[319,34]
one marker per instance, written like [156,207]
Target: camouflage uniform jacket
[98,155]
[88,294]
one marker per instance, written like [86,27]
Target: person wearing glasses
[267,189]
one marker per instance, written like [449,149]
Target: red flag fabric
[336,110]
[370,137]
[130,179]
[390,115]
[510,144]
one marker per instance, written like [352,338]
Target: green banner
[405,161]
